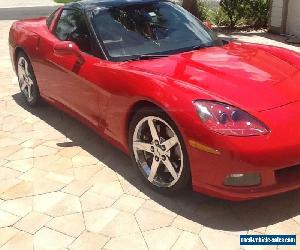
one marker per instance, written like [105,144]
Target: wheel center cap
[158,151]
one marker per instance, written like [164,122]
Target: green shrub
[198,8]
[218,17]
[203,10]
[258,13]
[234,9]
[251,12]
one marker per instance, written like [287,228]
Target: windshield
[160,28]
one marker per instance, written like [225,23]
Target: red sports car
[189,108]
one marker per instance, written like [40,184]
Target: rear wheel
[158,151]
[27,81]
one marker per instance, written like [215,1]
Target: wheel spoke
[153,130]
[170,143]
[29,91]
[23,85]
[26,68]
[142,146]
[29,81]
[153,171]
[21,72]
[170,168]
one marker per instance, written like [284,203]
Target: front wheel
[158,151]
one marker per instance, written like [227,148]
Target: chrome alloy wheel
[157,151]
[25,79]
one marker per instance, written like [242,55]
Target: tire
[149,154]
[27,81]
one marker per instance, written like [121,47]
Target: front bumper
[276,157]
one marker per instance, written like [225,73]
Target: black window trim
[98,52]
[51,18]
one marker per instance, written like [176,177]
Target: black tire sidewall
[185,179]
[35,90]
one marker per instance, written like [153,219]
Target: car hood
[241,74]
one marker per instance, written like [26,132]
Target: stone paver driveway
[63,187]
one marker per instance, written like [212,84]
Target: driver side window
[72,26]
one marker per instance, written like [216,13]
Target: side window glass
[72,27]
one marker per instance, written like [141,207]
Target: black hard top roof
[88,4]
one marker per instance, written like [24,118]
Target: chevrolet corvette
[190,109]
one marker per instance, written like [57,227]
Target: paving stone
[93,201]
[60,164]
[186,224]
[110,189]
[89,241]
[6,233]
[86,173]
[32,222]
[65,224]
[288,225]
[129,203]
[97,220]
[49,239]
[127,242]
[5,152]
[155,206]
[83,160]
[7,173]
[44,162]
[77,188]
[20,165]
[43,151]
[7,219]
[57,204]
[122,224]
[20,241]
[129,188]
[21,206]
[213,238]
[24,153]
[7,184]
[31,143]
[105,175]
[150,219]
[70,152]
[189,241]
[29,188]
[162,238]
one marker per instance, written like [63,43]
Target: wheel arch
[143,103]
[139,105]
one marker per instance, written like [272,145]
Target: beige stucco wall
[276,15]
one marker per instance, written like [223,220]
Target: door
[293,20]
[64,79]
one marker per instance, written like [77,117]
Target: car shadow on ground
[213,213]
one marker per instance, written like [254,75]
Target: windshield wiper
[147,57]
[201,46]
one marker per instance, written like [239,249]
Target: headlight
[228,120]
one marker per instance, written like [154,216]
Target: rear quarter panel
[25,35]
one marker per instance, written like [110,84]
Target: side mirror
[208,24]
[66,48]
